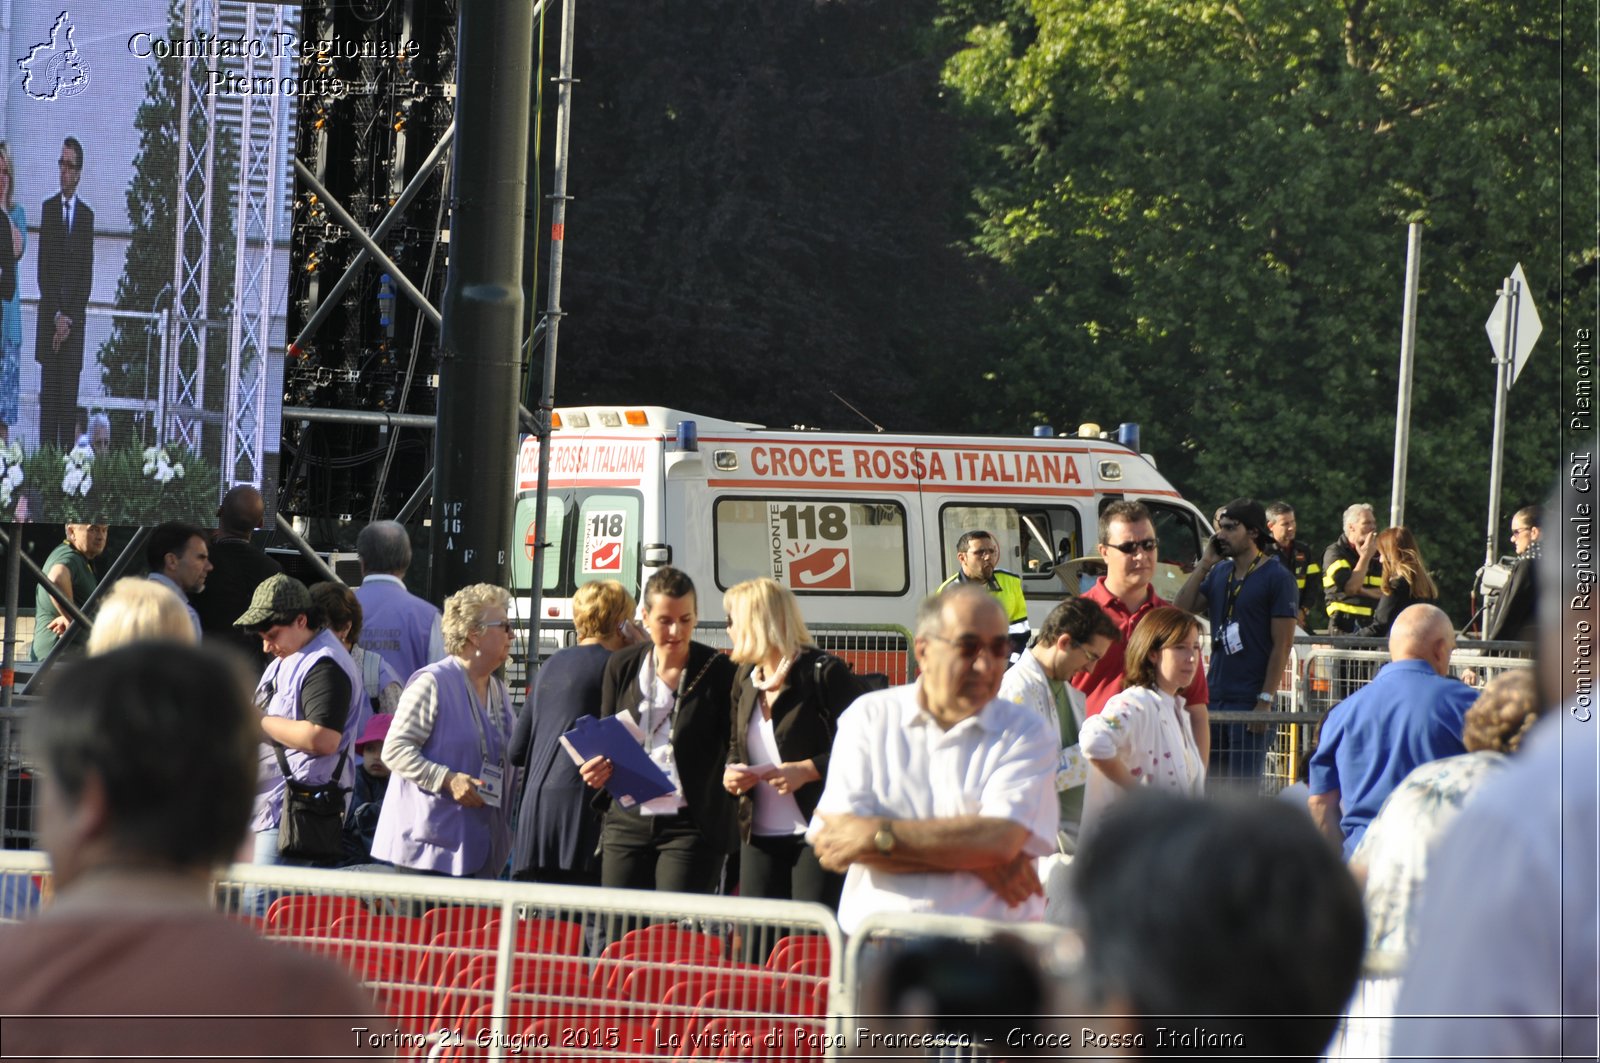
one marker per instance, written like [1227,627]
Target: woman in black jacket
[787,702]
[676,692]
[1405,580]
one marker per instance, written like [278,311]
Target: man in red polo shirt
[1128,546]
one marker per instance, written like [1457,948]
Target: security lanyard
[1235,585]
[483,723]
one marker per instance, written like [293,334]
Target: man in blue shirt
[1410,714]
[1253,606]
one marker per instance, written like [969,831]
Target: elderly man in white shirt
[939,794]
[1074,636]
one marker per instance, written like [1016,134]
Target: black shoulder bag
[312,825]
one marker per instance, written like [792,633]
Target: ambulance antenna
[876,427]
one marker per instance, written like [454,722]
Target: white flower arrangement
[79,476]
[10,473]
[159,466]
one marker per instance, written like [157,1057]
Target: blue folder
[634,776]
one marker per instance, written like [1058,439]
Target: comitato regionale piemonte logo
[54,69]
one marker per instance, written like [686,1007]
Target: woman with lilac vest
[448,811]
[307,695]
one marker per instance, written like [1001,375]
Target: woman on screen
[10,296]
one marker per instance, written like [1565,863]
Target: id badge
[1072,769]
[1230,642]
[494,778]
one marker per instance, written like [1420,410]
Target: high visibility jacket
[1346,612]
[1306,570]
[1007,589]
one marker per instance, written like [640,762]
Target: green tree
[1206,202]
[130,357]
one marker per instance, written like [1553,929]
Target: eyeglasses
[67,165]
[982,554]
[1094,658]
[1520,531]
[969,646]
[496,623]
[1229,525]
[1147,545]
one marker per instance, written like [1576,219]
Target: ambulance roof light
[637,418]
[555,421]
[1088,430]
[1043,431]
[610,419]
[575,419]
[1128,435]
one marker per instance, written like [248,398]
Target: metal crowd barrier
[1324,670]
[484,970]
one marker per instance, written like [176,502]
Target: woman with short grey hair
[448,810]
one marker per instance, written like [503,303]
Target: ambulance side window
[606,540]
[1033,540]
[555,534]
[813,545]
[1178,533]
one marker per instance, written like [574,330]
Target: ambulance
[860,525]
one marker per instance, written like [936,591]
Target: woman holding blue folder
[676,693]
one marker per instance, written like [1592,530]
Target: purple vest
[396,624]
[433,832]
[283,679]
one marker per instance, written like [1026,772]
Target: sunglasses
[969,646]
[1147,545]
[497,623]
[1228,525]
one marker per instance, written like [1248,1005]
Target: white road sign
[1527,323]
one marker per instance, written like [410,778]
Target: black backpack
[864,682]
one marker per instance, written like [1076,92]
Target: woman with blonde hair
[558,827]
[10,294]
[787,698]
[1405,580]
[139,610]
[448,807]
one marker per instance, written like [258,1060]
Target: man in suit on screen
[66,272]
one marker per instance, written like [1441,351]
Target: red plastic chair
[384,948]
[664,937]
[795,947]
[454,920]
[310,913]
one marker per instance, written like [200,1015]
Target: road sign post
[1513,326]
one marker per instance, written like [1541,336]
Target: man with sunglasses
[940,795]
[1075,635]
[66,274]
[1253,606]
[977,554]
[1128,547]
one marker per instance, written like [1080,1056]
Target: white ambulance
[860,525]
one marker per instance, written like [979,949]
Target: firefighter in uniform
[976,553]
[1352,575]
[1295,555]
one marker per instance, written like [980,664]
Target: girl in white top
[1142,737]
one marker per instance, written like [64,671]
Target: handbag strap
[283,765]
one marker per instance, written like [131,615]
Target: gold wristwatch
[883,840]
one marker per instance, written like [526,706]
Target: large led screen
[146,177]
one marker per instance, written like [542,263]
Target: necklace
[763,682]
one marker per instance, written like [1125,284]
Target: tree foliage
[1207,201]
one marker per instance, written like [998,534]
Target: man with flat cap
[1253,606]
